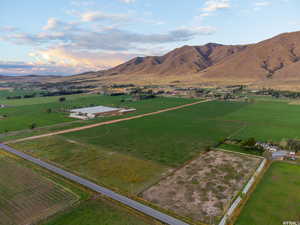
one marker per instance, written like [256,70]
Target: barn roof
[96,109]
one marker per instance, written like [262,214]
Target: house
[268,147]
[98,111]
[2,106]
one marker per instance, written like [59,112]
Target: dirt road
[103,123]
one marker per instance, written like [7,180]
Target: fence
[246,189]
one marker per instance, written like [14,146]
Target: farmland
[94,211]
[169,138]
[136,157]
[20,114]
[267,120]
[118,171]
[29,197]
[207,185]
[276,198]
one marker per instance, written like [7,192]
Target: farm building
[98,111]
[280,155]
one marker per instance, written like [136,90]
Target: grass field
[34,110]
[118,171]
[95,212]
[237,148]
[276,198]
[169,138]
[26,196]
[267,120]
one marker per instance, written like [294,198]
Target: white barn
[97,111]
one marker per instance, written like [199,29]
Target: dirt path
[103,123]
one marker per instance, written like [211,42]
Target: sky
[64,37]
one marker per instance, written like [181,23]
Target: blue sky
[73,36]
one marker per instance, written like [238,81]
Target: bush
[62,99]
[32,126]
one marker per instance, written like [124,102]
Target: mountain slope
[264,60]
[275,58]
[184,60]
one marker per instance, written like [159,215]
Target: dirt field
[202,189]
[26,196]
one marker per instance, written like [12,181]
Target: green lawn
[95,212]
[20,117]
[275,199]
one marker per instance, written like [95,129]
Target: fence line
[246,189]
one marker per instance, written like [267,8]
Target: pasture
[276,198]
[207,185]
[26,196]
[169,138]
[95,212]
[47,111]
[267,120]
[112,169]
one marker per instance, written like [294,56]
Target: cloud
[93,16]
[64,61]
[214,5]
[106,39]
[262,4]
[95,41]
[79,3]
[128,1]
[8,29]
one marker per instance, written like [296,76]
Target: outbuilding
[98,111]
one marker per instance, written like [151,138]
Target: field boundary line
[104,123]
[241,153]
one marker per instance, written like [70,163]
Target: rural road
[99,189]
[103,123]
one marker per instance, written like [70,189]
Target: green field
[169,138]
[30,194]
[237,148]
[118,171]
[27,196]
[96,212]
[276,198]
[267,120]
[34,110]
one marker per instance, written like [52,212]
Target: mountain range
[272,63]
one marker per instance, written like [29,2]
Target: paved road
[104,191]
[104,123]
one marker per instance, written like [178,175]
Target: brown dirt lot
[204,188]
[26,197]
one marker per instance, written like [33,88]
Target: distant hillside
[184,60]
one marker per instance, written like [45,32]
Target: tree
[62,99]
[32,126]
[249,143]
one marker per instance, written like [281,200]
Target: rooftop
[96,109]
